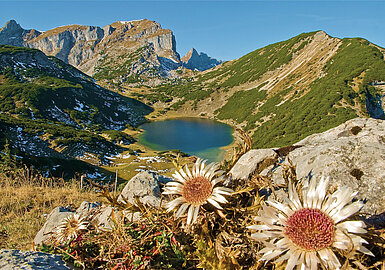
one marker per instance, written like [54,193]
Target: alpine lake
[203,138]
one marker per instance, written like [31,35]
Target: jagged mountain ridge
[52,105]
[12,34]
[199,61]
[123,52]
[288,90]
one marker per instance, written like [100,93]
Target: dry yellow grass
[25,201]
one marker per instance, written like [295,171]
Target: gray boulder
[53,220]
[31,260]
[146,187]
[58,214]
[86,208]
[102,218]
[97,214]
[352,154]
[254,161]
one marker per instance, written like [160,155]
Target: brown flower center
[197,190]
[310,229]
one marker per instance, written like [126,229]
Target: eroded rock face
[73,44]
[125,51]
[85,47]
[352,154]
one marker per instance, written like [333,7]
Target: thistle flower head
[70,228]
[306,232]
[196,188]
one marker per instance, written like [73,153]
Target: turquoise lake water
[195,136]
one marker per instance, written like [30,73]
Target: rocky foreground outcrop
[352,154]
[144,187]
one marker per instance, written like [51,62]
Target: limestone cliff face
[142,47]
[73,44]
[193,60]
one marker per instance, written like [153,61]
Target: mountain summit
[129,52]
[193,60]
[13,34]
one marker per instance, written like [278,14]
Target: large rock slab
[95,213]
[352,154]
[100,216]
[31,260]
[53,220]
[254,161]
[146,187]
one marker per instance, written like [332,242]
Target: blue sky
[223,29]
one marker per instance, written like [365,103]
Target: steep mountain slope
[289,90]
[128,52]
[59,109]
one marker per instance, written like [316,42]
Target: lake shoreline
[197,136]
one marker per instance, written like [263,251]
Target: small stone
[86,208]
[146,187]
[102,219]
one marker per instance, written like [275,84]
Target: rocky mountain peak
[191,53]
[11,25]
[13,34]
[198,61]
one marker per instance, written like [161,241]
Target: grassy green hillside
[319,109]
[247,68]
[57,109]
[279,110]
[34,85]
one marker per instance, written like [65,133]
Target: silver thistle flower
[70,228]
[196,188]
[306,232]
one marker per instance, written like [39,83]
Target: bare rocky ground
[17,259]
